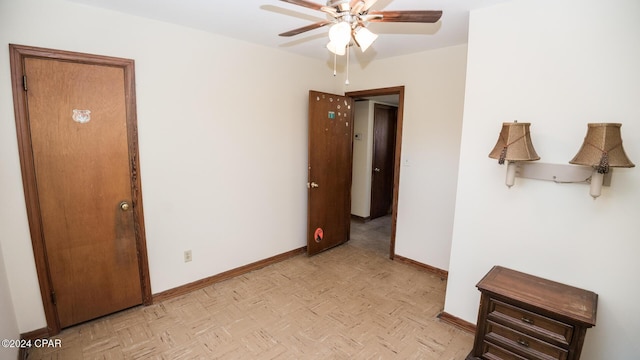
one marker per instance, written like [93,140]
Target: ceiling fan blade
[360,6]
[417,16]
[368,4]
[300,30]
[329,10]
[369,17]
[356,6]
[305,3]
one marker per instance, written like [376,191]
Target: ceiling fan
[349,19]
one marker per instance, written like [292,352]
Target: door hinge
[54,300]
[24,82]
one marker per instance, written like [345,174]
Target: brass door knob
[124,206]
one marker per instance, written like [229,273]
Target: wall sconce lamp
[602,149]
[514,145]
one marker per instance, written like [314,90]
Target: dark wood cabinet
[526,317]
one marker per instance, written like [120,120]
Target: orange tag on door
[318,235]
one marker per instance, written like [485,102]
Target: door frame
[18,53]
[396,90]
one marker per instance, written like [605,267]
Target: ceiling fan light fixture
[340,34]
[338,50]
[364,38]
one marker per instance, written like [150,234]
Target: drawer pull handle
[527,320]
[523,343]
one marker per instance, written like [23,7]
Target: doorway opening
[374,220]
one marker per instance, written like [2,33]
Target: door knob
[376,170]
[124,206]
[314,185]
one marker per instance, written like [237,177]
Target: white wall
[434,96]
[223,142]
[8,323]
[362,159]
[559,65]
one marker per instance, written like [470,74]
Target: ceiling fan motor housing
[340,5]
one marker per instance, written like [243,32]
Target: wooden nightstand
[526,317]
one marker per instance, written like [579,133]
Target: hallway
[373,235]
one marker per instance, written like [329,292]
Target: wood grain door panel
[384,135]
[78,171]
[330,163]
[82,171]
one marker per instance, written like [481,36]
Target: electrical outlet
[187,256]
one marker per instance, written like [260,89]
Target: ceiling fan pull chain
[348,51]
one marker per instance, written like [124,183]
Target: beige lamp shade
[602,148]
[514,144]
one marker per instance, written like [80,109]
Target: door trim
[18,53]
[397,90]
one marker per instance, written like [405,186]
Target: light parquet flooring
[350,302]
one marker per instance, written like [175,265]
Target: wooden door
[81,183]
[384,135]
[330,161]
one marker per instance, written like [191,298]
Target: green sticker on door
[332,115]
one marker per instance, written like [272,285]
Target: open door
[330,162]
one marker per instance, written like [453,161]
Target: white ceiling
[261,21]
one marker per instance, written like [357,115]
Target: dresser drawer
[547,329]
[493,352]
[522,344]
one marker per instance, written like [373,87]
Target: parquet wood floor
[350,302]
